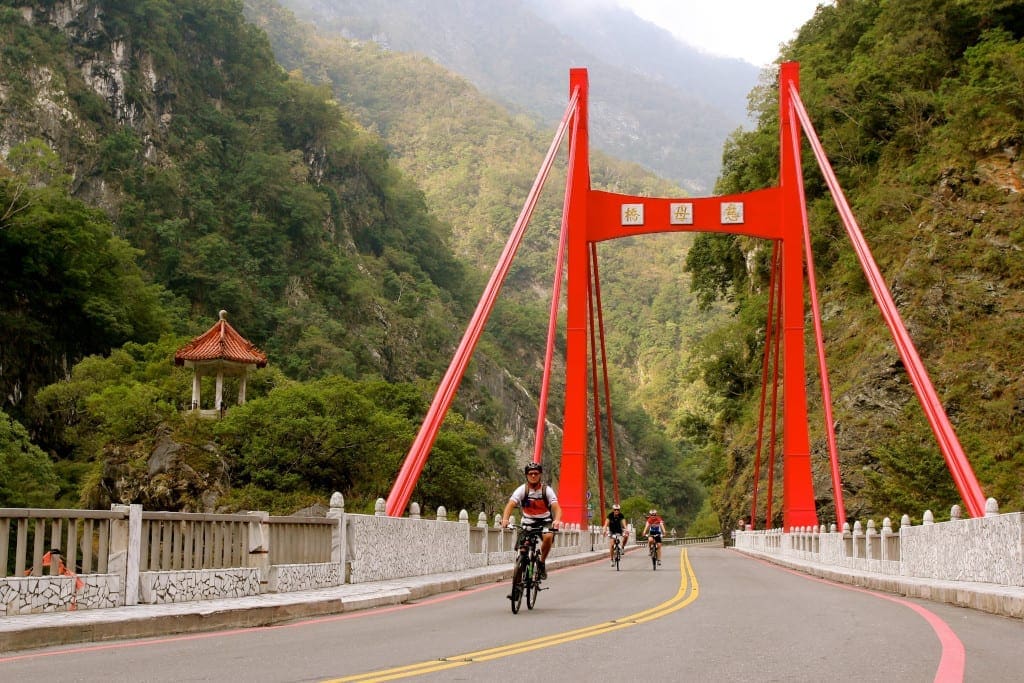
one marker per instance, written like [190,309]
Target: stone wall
[37,594]
[986,549]
[286,578]
[197,584]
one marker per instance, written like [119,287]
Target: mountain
[160,162]
[919,107]
[476,161]
[655,101]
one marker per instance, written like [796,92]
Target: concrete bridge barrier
[976,562]
[65,560]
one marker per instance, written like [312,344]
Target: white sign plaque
[680,213]
[732,212]
[632,214]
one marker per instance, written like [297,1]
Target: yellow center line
[682,598]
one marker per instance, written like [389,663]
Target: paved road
[708,614]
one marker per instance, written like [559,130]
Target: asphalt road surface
[707,614]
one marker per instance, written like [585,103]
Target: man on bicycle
[653,530]
[540,508]
[615,526]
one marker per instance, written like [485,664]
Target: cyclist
[540,508]
[654,529]
[615,525]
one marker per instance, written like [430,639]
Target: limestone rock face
[165,476]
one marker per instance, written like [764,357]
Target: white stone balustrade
[159,557]
[987,549]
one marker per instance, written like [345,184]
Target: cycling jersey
[654,526]
[535,504]
[616,524]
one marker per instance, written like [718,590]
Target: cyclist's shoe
[542,571]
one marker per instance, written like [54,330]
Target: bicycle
[526,578]
[652,549]
[617,550]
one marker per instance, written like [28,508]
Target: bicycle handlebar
[530,527]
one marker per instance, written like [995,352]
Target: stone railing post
[886,538]
[442,514]
[259,546]
[379,508]
[414,511]
[954,513]
[870,539]
[339,547]
[991,507]
[481,523]
[123,553]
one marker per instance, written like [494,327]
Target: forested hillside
[476,162]
[919,107]
[344,203]
[662,103]
[228,183]
[159,166]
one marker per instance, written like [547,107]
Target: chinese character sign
[732,212]
[632,214]
[680,213]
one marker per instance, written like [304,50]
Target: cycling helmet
[615,507]
[652,513]
[533,467]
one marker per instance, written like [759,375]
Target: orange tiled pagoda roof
[221,342]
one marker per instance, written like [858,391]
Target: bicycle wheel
[518,577]
[532,584]
[654,557]
[618,556]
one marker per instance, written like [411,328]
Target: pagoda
[219,351]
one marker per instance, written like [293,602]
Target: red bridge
[778,214]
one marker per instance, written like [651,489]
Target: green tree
[27,477]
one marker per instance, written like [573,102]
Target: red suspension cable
[556,297]
[956,461]
[777,345]
[604,370]
[401,491]
[597,396]
[769,329]
[819,338]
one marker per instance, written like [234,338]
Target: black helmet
[533,467]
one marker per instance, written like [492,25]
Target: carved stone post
[259,546]
[123,553]
[339,541]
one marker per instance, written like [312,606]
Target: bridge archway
[772,213]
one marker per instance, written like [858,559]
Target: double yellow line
[688,592]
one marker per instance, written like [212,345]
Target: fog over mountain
[653,100]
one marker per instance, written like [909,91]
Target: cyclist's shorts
[656,537]
[536,522]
